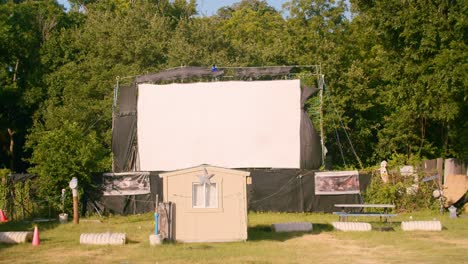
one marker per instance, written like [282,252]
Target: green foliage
[399,191]
[63,153]
[254,31]
[3,187]
[395,73]
[422,76]
[24,28]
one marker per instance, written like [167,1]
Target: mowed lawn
[60,243]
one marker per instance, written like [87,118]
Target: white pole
[322,134]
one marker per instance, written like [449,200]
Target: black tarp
[20,177]
[124,131]
[290,190]
[311,150]
[272,190]
[259,72]
[187,73]
[183,73]
[134,204]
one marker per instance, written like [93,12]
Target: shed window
[204,195]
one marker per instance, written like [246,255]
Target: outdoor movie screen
[234,124]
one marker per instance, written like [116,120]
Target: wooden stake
[75,207]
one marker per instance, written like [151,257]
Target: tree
[66,152]
[423,75]
[24,29]
[88,58]
[198,42]
[255,32]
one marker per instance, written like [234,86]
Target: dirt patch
[341,250]
[434,238]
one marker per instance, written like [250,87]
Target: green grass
[60,243]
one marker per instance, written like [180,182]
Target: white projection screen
[235,124]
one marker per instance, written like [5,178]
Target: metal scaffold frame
[220,73]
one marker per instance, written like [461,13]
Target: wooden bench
[344,213]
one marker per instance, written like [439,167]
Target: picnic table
[346,210]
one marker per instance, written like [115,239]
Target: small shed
[210,203]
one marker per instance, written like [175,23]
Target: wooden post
[75,207]
[74,186]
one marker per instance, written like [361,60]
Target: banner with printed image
[336,182]
[126,183]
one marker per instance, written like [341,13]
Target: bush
[399,191]
[63,153]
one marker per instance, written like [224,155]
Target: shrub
[63,153]
[400,191]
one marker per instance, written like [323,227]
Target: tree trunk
[423,132]
[12,149]
[16,70]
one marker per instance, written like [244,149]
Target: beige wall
[228,222]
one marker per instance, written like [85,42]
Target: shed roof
[211,168]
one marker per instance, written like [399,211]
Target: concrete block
[421,226]
[155,240]
[292,227]
[351,226]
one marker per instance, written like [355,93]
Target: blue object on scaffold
[156,227]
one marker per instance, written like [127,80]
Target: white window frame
[215,192]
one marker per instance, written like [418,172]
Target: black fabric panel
[306,93]
[325,203]
[364,181]
[179,74]
[123,141]
[272,190]
[127,99]
[134,204]
[20,177]
[254,72]
[124,131]
[275,190]
[292,190]
[311,150]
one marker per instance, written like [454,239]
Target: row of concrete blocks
[91,239]
[405,226]
[357,226]
[86,239]
[120,238]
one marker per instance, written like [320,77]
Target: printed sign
[336,182]
[134,183]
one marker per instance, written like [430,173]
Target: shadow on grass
[198,247]
[27,226]
[265,232]
[385,226]
[132,241]
[5,245]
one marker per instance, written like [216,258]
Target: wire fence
[19,201]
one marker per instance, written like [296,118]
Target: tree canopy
[395,72]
